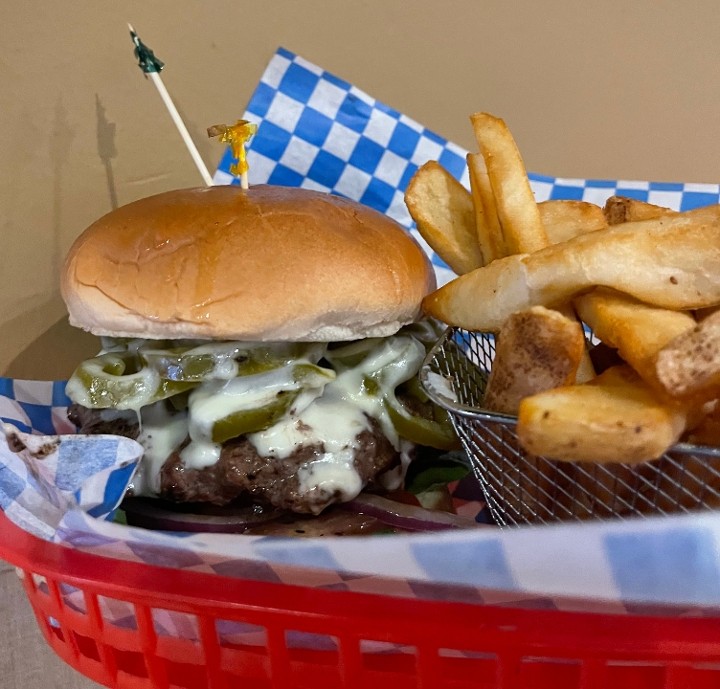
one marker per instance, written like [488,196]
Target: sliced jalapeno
[252,420]
[413,388]
[113,381]
[434,432]
[251,403]
[396,365]
[350,355]
[181,366]
[223,360]
[261,417]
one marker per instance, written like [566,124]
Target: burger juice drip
[281,397]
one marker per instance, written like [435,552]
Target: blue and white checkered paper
[46,470]
[318,131]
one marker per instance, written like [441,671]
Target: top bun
[268,263]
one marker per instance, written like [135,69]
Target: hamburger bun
[265,264]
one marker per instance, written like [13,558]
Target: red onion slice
[407,517]
[155,514]
[149,513]
[366,514]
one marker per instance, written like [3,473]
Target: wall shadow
[52,355]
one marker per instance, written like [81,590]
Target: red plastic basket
[429,644]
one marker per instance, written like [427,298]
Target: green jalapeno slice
[437,433]
[255,402]
[115,381]
[252,420]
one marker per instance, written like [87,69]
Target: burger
[261,344]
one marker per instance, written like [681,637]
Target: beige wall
[606,89]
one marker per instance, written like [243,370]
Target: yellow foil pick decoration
[236,135]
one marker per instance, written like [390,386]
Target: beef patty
[241,472]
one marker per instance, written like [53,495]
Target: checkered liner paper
[318,131]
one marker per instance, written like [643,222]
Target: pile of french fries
[643,278]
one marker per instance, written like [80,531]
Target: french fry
[615,418]
[521,226]
[516,207]
[621,209]
[445,216]
[637,330]
[490,237]
[672,262]
[689,365]
[564,219]
[537,350]
[707,431]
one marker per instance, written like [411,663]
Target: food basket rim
[427,625]
[128,579]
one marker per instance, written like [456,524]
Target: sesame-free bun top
[268,263]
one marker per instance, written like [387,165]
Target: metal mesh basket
[521,488]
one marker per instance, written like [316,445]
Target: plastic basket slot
[462,668]
[295,638]
[83,652]
[37,590]
[175,624]
[106,656]
[638,675]
[235,633]
[445,667]
[306,649]
[211,652]
[118,638]
[38,580]
[550,672]
[117,613]
[148,642]
[385,663]
[69,620]
[370,662]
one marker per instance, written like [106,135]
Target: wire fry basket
[520,488]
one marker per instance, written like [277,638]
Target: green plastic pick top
[146,58]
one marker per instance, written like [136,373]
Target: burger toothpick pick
[237,136]
[151,67]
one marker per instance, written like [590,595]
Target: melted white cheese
[330,474]
[161,434]
[215,400]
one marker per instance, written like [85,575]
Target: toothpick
[151,67]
